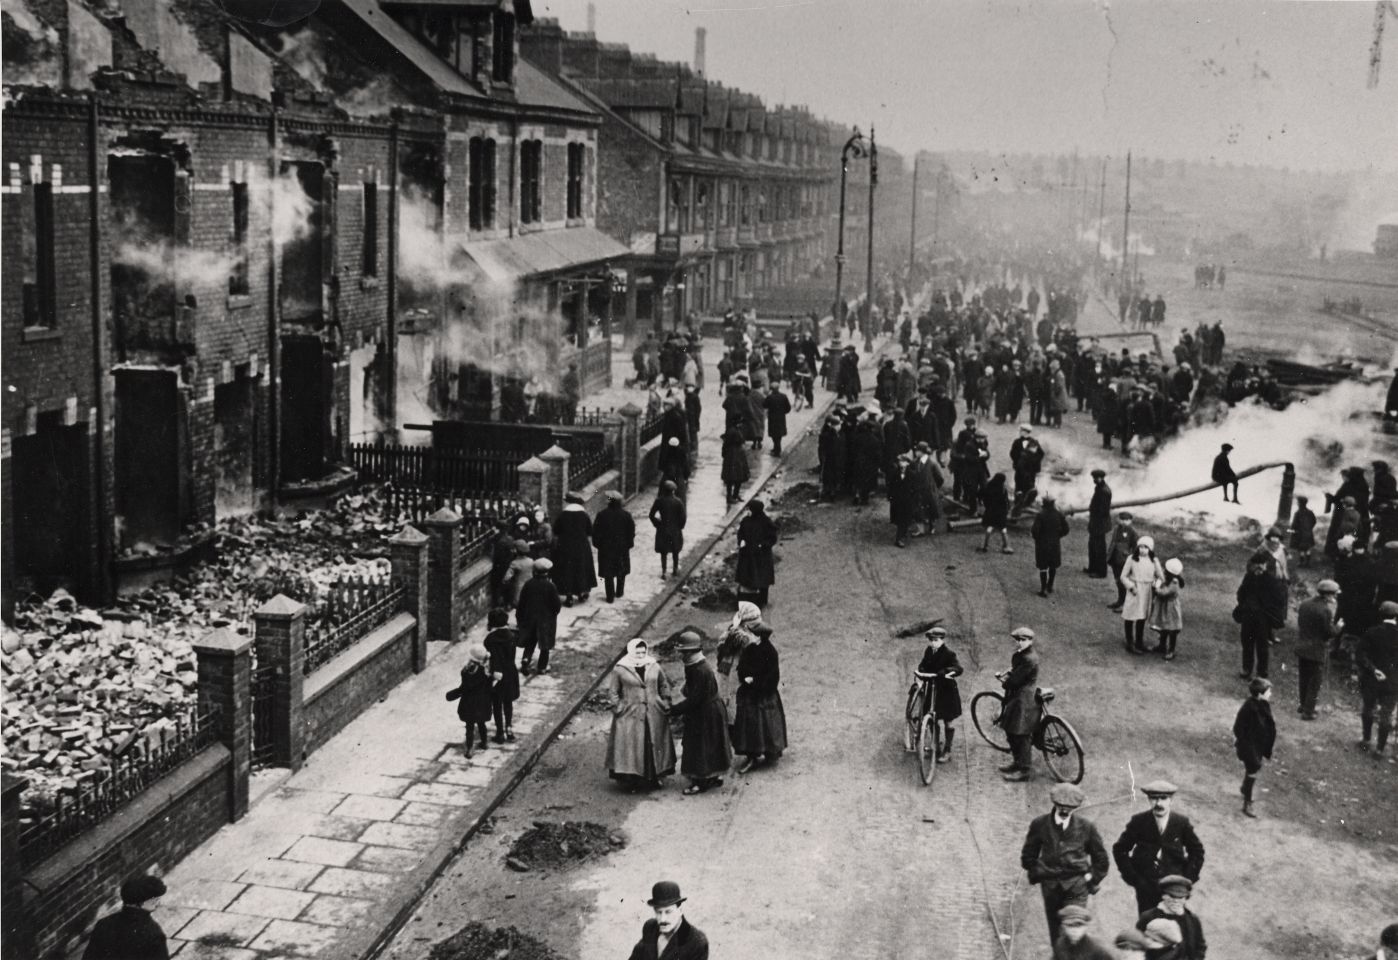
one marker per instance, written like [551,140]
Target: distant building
[1386,241]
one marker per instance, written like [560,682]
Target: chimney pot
[700,35]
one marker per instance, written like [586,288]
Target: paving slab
[369,807]
[336,911]
[420,814]
[270,902]
[333,853]
[353,883]
[387,859]
[202,894]
[400,835]
[229,929]
[286,874]
[293,937]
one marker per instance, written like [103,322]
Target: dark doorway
[302,273]
[148,457]
[235,444]
[52,539]
[143,248]
[307,378]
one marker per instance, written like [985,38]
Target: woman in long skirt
[736,638]
[707,752]
[759,727]
[639,747]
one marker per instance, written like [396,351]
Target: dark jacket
[674,423]
[1303,529]
[923,425]
[1193,946]
[572,553]
[707,752]
[1262,600]
[778,406]
[501,643]
[1223,471]
[129,934]
[472,696]
[668,517]
[1315,628]
[866,456]
[1254,732]
[1099,511]
[1021,709]
[537,611]
[944,663]
[1145,854]
[759,661]
[997,506]
[757,535]
[1378,650]
[688,943]
[1050,527]
[614,534]
[1065,857]
[735,458]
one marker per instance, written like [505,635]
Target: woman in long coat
[757,415]
[778,406]
[1057,394]
[614,534]
[574,573]
[500,643]
[1139,575]
[1050,527]
[735,470]
[757,535]
[759,723]
[707,752]
[639,747]
[674,465]
[668,517]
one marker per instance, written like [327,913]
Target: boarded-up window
[369,265]
[238,276]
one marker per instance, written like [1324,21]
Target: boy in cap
[1223,474]
[1021,711]
[1254,736]
[1121,549]
[1076,943]
[940,659]
[1317,626]
[669,934]
[131,933]
[1063,853]
[1174,892]
[1155,844]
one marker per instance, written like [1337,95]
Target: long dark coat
[832,460]
[945,663]
[687,943]
[707,752]
[1303,529]
[129,934]
[923,425]
[674,423]
[848,383]
[735,458]
[1050,527]
[778,406]
[614,534]
[997,506]
[902,496]
[866,455]
[536,614]
[1254,732]
[668,517]
[944,408]
[501,643]
[472,696]
[736,411]
[1099,511]
[757,535]
[759,723]
[573,571]
[897,438]
[1021,709]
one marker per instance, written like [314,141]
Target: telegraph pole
[1101,212]
[912,240]
[869,276]
[1126,226]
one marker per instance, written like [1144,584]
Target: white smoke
[1109,249]
[165,262]
[292,207]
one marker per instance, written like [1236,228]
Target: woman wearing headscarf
[759,722]
[1139,575]
[757,535]
[667,515]
[639,747]
[500,644]
[736,638]
[707,752]
[1166,613]
[572,555]
[472,696]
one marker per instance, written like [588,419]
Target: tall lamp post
[869,266]
[853,146]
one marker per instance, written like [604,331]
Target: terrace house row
[229,250]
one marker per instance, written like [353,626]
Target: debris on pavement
[476,941]
[549,844]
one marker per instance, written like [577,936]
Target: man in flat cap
[131,933]
[1317,626]
[1064,854]
[669,934]
[1099,524]
[1377,657]
[1075,943]
[1131,944]
[1021,712]
[1155,844]
[1174,891]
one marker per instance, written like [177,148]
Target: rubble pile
[547,844]
[476,941]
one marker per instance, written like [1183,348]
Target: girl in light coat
[1166,615]
[1138,576]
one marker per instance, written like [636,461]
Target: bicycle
[1054,737]
[921,734]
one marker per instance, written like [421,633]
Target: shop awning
[549,251]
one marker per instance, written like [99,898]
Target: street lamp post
[854,145]
[869,266]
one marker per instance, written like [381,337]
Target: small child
[1166,614]
[473,696]
[725,372]
[940,659]
[1303,531]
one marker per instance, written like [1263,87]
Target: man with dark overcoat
[1377,660]
[1157,843]
[1099,524]
[1064,855]
[1317,626]
[614,534]
[669,934]
[707,751]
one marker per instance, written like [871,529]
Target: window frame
[239,279]
[369,250]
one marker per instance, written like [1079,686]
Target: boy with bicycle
[940,660]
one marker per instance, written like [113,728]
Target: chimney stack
[592,18]
[700,34]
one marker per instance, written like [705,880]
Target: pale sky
[1275,83]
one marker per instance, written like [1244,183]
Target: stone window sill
[239,301]
[368,283]
[40,334]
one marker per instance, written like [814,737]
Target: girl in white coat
[1139,575]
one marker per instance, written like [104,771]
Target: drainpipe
[391,281]
[99,376]
[274,344]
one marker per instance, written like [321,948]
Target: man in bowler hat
[1064,854]
[669,934]
[131,933]
[1157,843]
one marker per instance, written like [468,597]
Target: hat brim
[666,902]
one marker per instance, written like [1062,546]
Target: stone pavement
[330,858]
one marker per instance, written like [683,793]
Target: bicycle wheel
[1062,750]
[927,747]
[986,708]
[910,723]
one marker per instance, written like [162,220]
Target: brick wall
[67,893]
[344,688]
[628,181]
